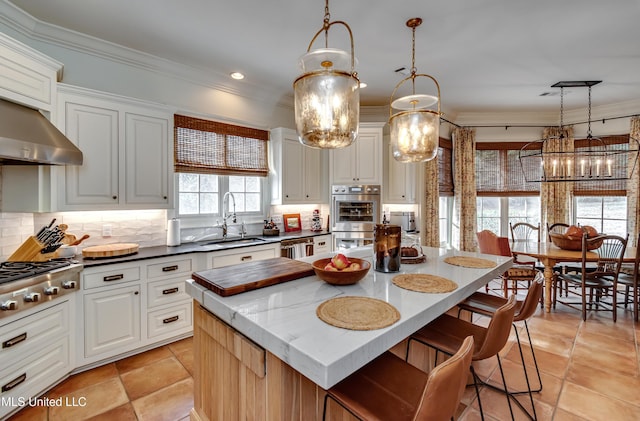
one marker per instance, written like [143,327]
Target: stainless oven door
[355,212]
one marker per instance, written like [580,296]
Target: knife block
[30,251]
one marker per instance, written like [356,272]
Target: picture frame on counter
[292,222]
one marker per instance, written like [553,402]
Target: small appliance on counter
[406,220]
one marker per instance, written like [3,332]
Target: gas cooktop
[11,271]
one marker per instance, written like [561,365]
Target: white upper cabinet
[299,173]
[361,162]
[399,180]
[27,76]
[127,152]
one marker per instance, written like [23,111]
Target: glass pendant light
[415,129]
[327,94]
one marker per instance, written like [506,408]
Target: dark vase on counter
[386,248]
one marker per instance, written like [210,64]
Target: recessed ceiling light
[237,75]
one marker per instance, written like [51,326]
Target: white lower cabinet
[322,244]
[112,320]
[35,354]
[131,306]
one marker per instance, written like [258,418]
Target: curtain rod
[507,126]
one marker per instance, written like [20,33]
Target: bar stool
[446,333]
[488,304]
[388,388]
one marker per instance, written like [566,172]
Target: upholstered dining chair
[490,243]
[446,333]
[597,281]
[628,277]
[488,304]
[389,388]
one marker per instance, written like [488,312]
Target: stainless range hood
[28,138]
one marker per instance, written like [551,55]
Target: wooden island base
[235,379]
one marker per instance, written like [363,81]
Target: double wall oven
[355,210]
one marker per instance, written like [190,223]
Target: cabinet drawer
[111,277]
[249,254]
[168,321]
[34,374]
[33,332]
[169,268]
[166,292]
[322,244]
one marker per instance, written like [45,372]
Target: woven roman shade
[499,172]
[605,187]
[445,172]
[210,147]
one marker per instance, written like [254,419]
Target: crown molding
[40,31]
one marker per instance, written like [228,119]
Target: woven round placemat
[357,313]
[422,282]
[470,262]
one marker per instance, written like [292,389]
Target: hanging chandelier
[327,94]
[414,129]
[597,161]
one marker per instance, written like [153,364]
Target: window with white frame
[503,195]
[607,214]
[213,158]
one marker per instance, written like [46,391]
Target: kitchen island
[264,354]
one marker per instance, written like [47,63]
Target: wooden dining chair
[490,243]
[488,304]
[628,277]
[446,333]
[524,231]
[389,388]
[595,282]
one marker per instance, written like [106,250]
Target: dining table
[551,255]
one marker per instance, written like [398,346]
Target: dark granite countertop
[196,247]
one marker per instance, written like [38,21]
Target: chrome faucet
[225,216]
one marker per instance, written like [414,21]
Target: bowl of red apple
[341,270]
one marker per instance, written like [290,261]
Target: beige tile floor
[590,371]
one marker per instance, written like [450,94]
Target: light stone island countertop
[282,318]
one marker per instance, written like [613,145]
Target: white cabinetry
[35,354]
[322,244]
[299,172]
[229,257]
[126,147]
[399,180]
[360,163]
[130,306]
[112,320]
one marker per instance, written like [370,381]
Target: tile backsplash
[146,227]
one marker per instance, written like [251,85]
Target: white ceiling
[487,55]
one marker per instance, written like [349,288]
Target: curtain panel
[633,202]
[556,198]
[464,150]
[430,205]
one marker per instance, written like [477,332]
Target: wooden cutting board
[231,280]
[109,250]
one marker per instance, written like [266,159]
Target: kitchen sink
[234,240]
